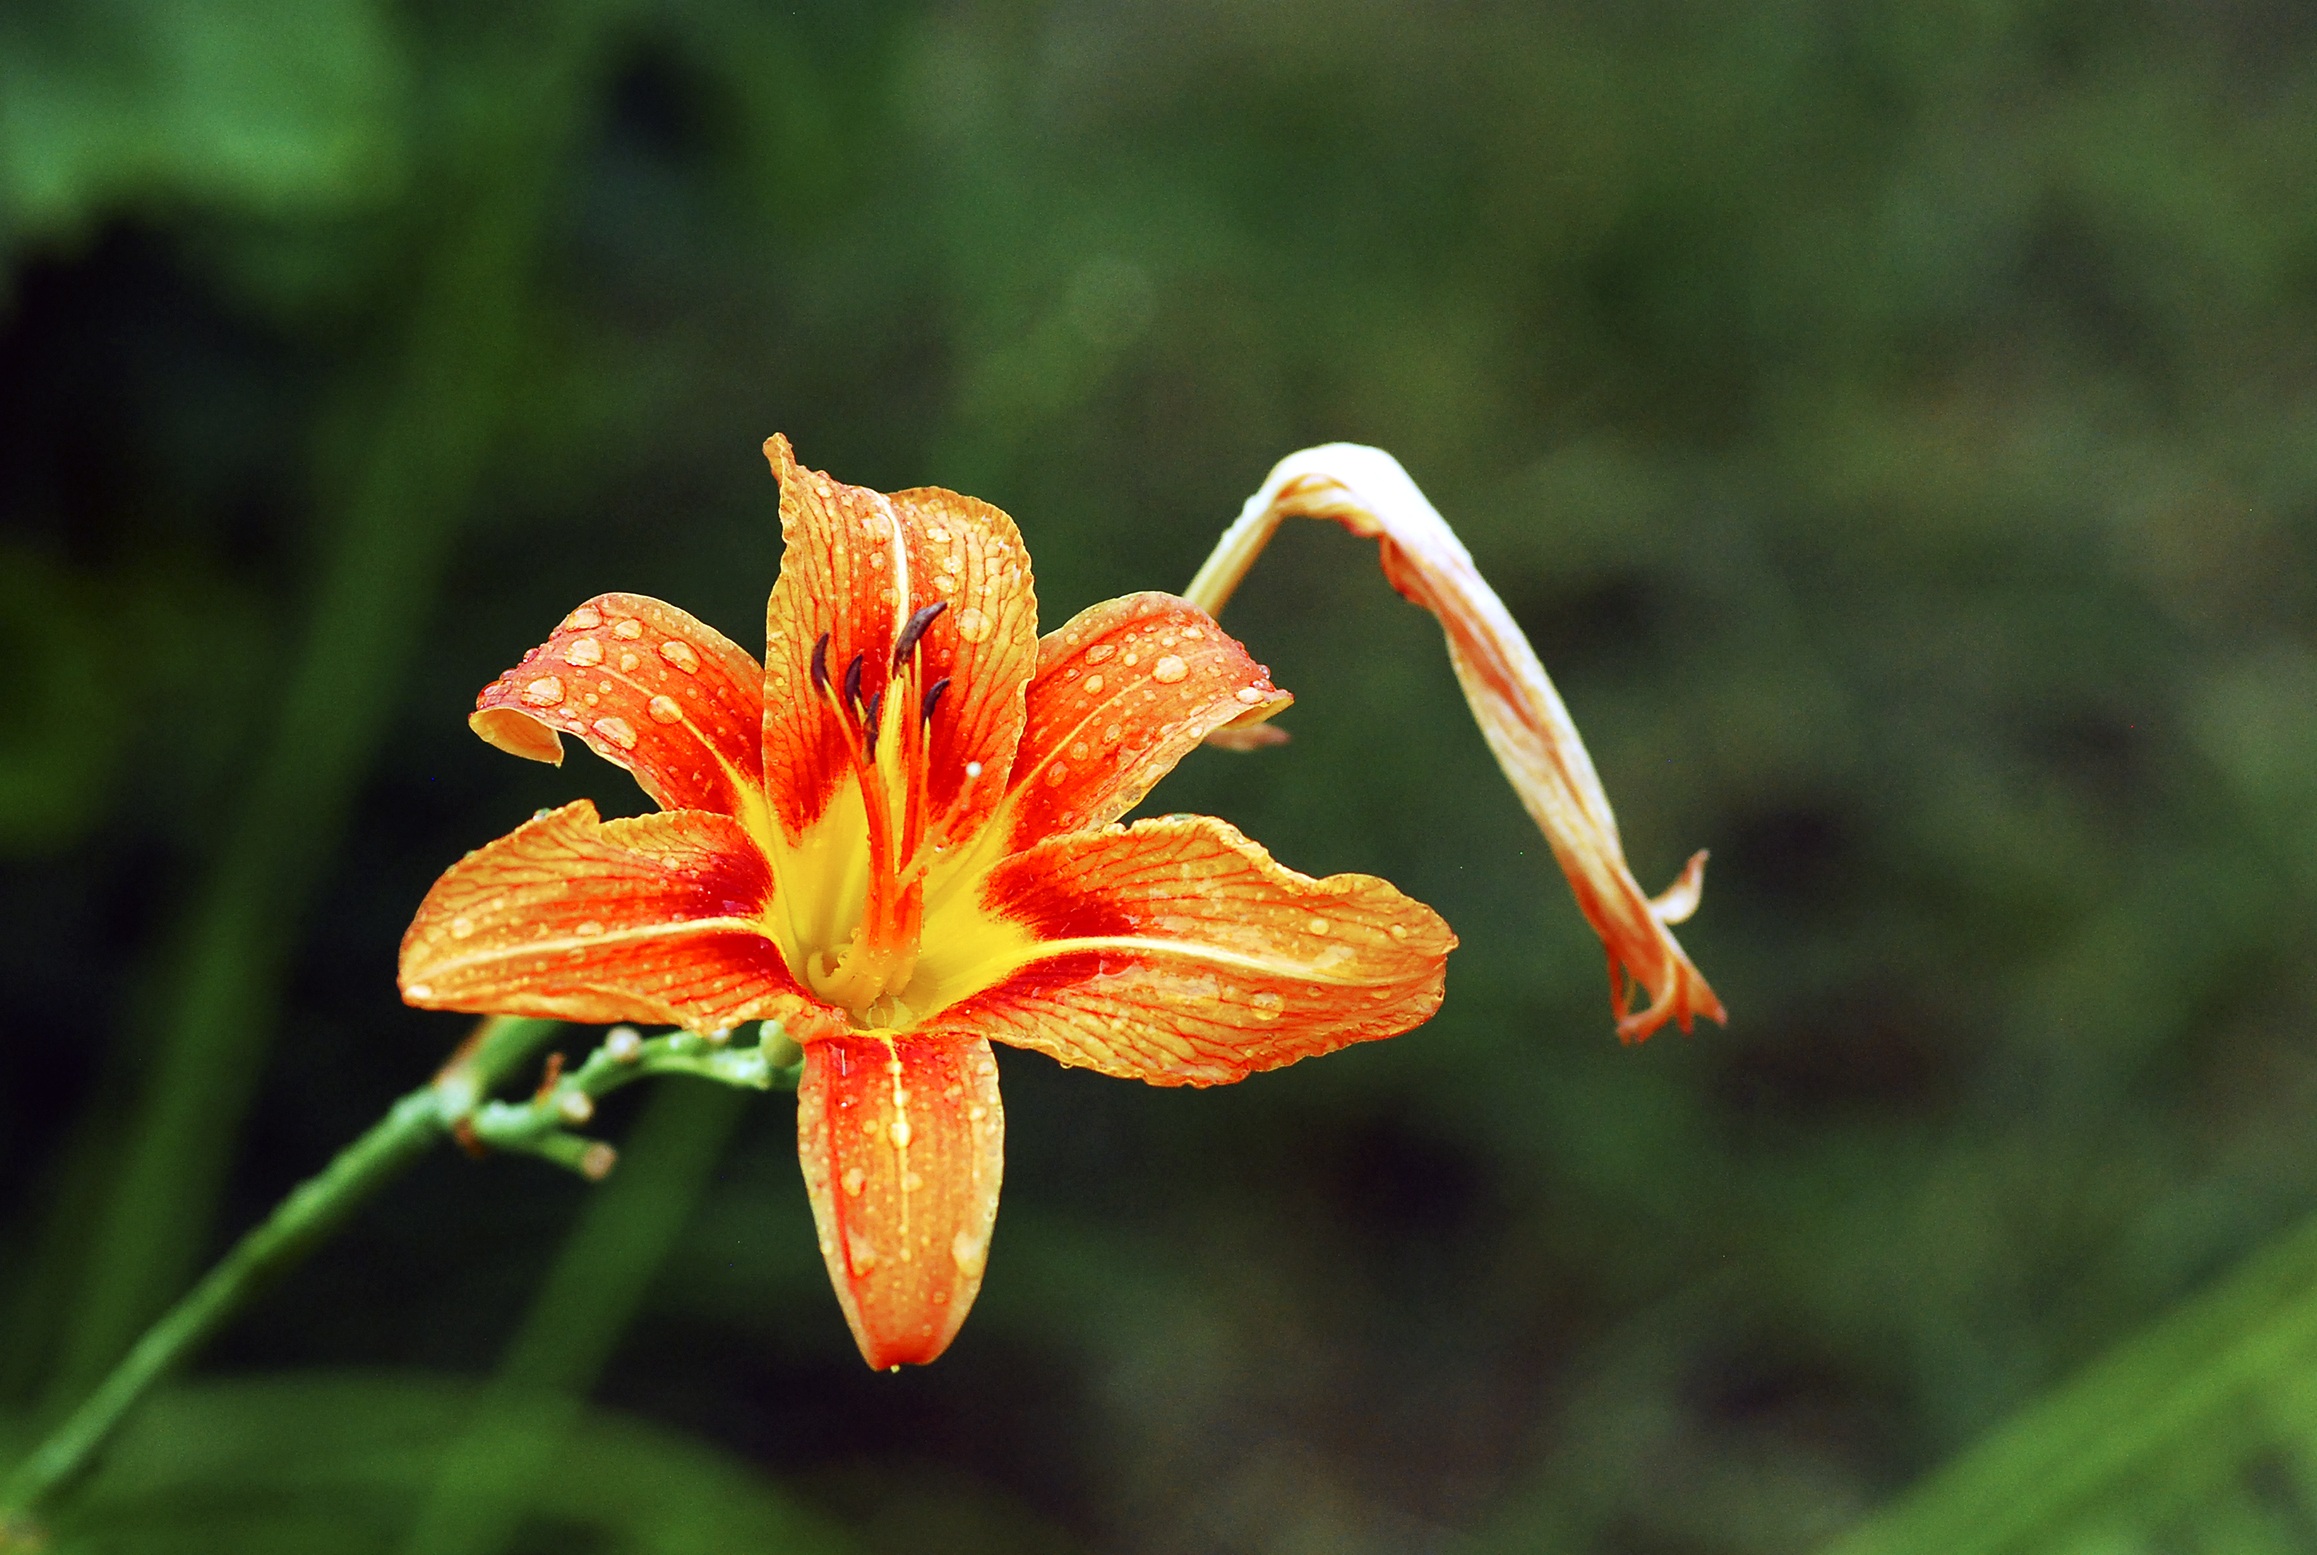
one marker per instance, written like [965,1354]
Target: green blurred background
[1896,427]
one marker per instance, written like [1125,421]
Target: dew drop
[617,730]
[1267,1005]
[901,1132]
[1100,652]
[1057,774]
[938,535]
[973,769]
[1112,732]
[583,651]
[461,928]
[631,629]
[1080,751]
[585,619]
[977,1112]
[1398,931]
[546,691]
[861,1254]
[1250,695]
[627,662]
[1131,660]
[664,710]
[418,991]
[1169,670]
[588,930]
[855,1176]
[972,625]
[1094,682]
[1317,925]
[680,653]
[970,1253]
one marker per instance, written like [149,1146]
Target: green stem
[456,1101]
[313,1208]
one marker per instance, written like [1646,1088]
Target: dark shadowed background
[1895,426]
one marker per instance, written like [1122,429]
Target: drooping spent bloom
[899,837]
[1520,714]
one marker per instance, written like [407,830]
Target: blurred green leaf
[344,1461]
[271,105]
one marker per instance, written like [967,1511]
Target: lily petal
[655,919]
[1177,951]
[1124,690]
[1519,712]
[647,688]
[856,564]
[903,1142]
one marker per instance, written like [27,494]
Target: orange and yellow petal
[1177,951]
[902,1140]
[856,564]
[658,919]
[1124,690]
[646,687]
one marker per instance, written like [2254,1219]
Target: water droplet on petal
[973,769]
[1317,925]
[972,625]
[1169,670]
[583,651]
[627,662]
[546,691]
[971,1254]
[1111,733]
[855,1176]
[418,991]
[664,710]
[1099,652]
[861,1254]
[1251,695]
[462,927]
[1057,774]
[1094,682]
[585,619]
[1267,1005]
[1131,660]
[1398,931]
[617,730]
[1080,751]
[631,629]
[588,930]
[681,654]
[900,1131]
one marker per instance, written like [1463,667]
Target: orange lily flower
[899,838]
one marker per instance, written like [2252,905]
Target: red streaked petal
[647,687]
[1124,691]
[856,564]
[656,919]
[1519,713]
[902,1140]
[1177,951]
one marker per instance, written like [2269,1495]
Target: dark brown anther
[821,665]
[853,682]
[871,716]
[906,643]
[933,694]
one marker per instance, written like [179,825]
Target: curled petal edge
[1527,726]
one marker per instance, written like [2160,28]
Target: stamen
[933,697]
[870,719]
[853,682]
[906,643]
[821,665]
